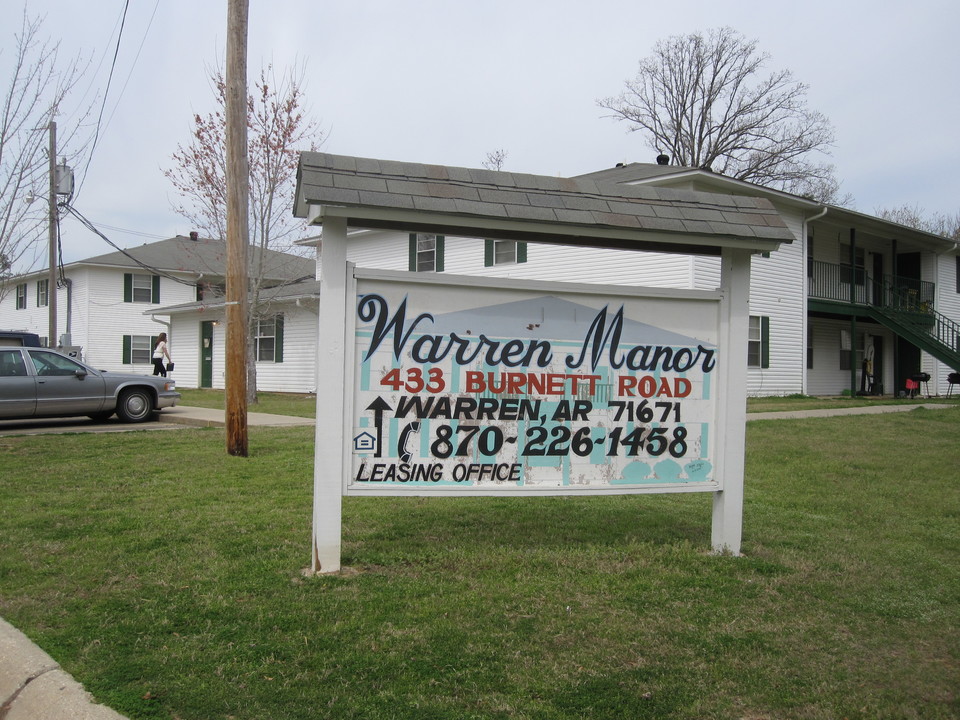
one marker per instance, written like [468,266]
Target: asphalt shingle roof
[203,255]
[403,191]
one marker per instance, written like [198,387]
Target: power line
[126,82]
[106,93]
[92,228]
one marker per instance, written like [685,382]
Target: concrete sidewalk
[208,417]
[834,412]
[33,687]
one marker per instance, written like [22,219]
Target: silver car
[36,382]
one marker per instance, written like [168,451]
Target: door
[206,354]
[18,389]
[64,387]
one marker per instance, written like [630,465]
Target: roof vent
[619,164]
[663,159]
[194,235]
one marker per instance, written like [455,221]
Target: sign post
[331,381]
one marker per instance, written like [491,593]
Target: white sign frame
[335,412]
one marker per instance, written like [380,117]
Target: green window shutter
[488,252]
[765,341]
[127,351]
[128,287]
[521,252]
[156,288]
[412,253]
[278,340]
[439,266]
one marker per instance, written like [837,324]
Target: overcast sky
[448,81]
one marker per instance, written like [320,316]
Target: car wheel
[135,405]
[100,416]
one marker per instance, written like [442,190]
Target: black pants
[158,368]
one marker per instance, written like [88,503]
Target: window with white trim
[42,295]
[138,349]
[504,252]
[758,342]
[426,252]
[22,296]
[268,339]
[141,288]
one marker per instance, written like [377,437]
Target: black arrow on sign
[378,406]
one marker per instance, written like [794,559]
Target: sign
[557,389]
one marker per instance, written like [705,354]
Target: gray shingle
[386,199]
[578,217]
[662,224]
[332,179]
[475,207]
[432,204]
[529,212]
[503,197]
[360,182]
[585,202]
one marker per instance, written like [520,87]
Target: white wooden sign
[471,386]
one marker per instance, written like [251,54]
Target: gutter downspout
[806,293]
[69,283]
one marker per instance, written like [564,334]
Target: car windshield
[51,363]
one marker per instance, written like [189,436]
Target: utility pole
[52,230]
[238,180]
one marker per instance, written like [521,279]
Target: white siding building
[810,333]
[111,308]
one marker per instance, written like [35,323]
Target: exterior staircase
[902,305]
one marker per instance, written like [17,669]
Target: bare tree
[916,217]
[38,86]
[704,100]
[278,131]
[495,159]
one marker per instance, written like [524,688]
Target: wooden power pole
[52,249]
[238,180]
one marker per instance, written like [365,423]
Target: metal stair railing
[932,331]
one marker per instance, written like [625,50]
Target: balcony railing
[829,281]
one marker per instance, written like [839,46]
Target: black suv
[14,338]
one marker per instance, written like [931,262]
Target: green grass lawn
[166,576]
[305,405]
[295,404]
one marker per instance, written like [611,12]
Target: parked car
[37,382]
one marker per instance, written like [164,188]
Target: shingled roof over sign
[484,203]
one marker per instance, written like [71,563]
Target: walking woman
[160,352]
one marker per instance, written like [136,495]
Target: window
[846,355]
[758,342]
[426,253]
[958,273]
[141,288]
[11,364]
[269,339]
[42,286]
[22,296]
[209,291]
[504,252]
[858,264]
[54,364]
[138,349]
